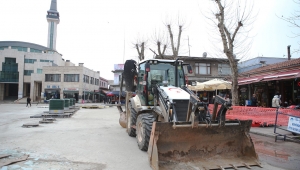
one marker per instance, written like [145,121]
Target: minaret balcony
[53,16]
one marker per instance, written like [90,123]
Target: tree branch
[178,40]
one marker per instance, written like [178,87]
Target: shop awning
[281,76]
[105,91]
[271,77]
[250,80]
[49,90]
[71,91]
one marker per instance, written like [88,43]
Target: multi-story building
[71,81]
[22,68]
[103,88]
[118,70]
[206,68]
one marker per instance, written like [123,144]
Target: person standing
[213,100]
[254,100]
[276,101]
[28,102]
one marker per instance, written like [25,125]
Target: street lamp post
[83,89]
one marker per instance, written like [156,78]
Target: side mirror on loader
[189,68]
[147,67]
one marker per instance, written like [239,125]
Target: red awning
[249,80]
[282,76]
[105,91]
[270,77]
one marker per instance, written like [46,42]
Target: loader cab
[161,72]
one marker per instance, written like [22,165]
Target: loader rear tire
[131,122]
[143,130]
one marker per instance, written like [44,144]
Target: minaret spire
[53,20]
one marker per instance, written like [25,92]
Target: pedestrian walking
[276,101]
[254,100]
[28,102]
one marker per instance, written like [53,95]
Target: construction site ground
[93,139]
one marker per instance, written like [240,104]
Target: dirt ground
[90,139]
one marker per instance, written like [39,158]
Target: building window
[71,77]
[28,72]
[52,77]
[224,69]
[46,61]
[29,60]
[202,68]
[19,48]
[96,81]
[2,48]
[35,50]
[92,80]
[86,78]
[39,71]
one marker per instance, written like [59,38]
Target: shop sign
[119,66]
[294,124]
[71,89]
[243,90]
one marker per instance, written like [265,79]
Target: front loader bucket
[212,147]
[122,119]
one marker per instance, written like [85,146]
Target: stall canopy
[211,85]
[115,93]
[200,87]
[218,84]
[270,77]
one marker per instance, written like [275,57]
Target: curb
[289,138]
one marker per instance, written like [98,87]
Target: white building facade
[39,72]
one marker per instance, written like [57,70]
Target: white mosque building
[28,69]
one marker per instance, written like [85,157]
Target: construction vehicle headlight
[200,108]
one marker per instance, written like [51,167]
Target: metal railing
[284,136]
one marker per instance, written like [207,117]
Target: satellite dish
[204,55]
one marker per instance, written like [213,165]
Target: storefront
[52,93]
[71,93]
[265,89]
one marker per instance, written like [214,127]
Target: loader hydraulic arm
[225,105]
[161,96]
[198,108]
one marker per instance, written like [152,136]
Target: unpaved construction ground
[90,139]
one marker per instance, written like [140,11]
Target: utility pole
[189,46]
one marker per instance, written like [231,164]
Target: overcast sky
[101,33]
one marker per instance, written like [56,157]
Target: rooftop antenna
[189,46]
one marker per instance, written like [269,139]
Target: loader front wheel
[131,120]
[143,130]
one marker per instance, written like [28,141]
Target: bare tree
[293,21]
[140,47]
[161,42]
[175,46]
[230,20]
